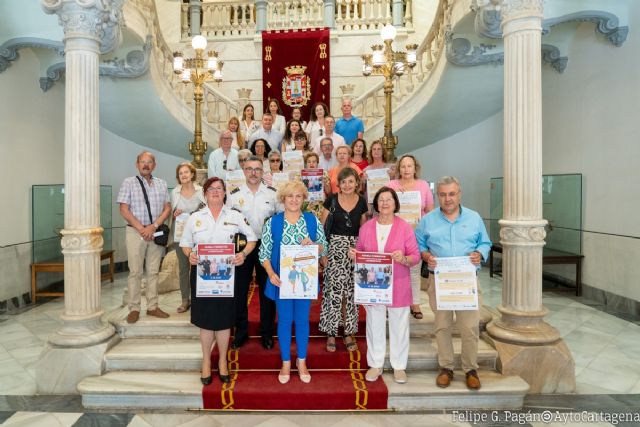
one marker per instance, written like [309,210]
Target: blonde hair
[345,147]
[190,167]
[239,137]
[292,187]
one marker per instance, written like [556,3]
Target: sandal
[417,314]
[184,306]
[352,344]
[331,344]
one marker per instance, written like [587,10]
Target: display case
[47,220]
[561,207]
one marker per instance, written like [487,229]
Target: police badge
[296,87]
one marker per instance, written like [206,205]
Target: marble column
[527,346]
[195,11]
[261,15]
[75,351]
[329,13]
[397,13]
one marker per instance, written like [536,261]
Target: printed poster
[178,226]
[376,179]
[279,179]
[299,272]
[373,275]
[234,179]
[410,206]
[292,161]
[313,179]
[456,284]
[215,270]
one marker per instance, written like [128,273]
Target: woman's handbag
[424,270]
[328,223]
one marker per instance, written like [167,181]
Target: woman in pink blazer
[387,233]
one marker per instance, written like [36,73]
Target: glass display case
[561,207]
[47,220]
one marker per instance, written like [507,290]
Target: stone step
[421,392]
[184,354]
[182,390]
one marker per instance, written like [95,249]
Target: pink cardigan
[401,238]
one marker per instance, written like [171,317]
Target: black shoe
[239,342]
[206,381]
[267,343]
[224,378]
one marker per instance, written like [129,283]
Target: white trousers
[377,336]
[414,274]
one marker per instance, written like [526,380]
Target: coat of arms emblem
[296,87]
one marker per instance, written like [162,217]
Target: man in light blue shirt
[349,126]
[266,132]
[453,231]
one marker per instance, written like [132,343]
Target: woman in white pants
[388,233]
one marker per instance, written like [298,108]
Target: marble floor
[605,348]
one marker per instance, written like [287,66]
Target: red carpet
[337,378]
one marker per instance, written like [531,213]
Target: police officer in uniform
[257,202]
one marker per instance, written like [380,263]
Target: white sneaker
[373,374]
[399,376]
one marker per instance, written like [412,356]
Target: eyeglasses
[253,170]
[242,160]
[214,189]
[452,194]
[274,160]
[227,138]
[224,164]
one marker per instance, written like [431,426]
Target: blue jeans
[292,311]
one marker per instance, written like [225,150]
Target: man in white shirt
[224,158]
[327,159]
[266,132]
[329,125]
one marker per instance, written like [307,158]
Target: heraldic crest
[296,86]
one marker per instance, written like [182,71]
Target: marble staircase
[157,362]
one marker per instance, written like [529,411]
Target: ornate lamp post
[386,62]
[198,70]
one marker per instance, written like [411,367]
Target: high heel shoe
[206,381]
[224,378]
[305,378]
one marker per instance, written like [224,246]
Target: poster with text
[313,179]
[234,179]
[299,271]
[376,179]
[456,284]
[178,226]
[215,270]
[373,275]
[410,206]
[292,161]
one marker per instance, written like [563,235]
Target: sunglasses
[274,160]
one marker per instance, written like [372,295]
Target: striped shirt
[131,194]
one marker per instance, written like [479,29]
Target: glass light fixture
[178,62]
[186,75]
[388,32]
[412,55]
[378,55]
[366,65]
[199,42]
[399,59]
[217,75]
[212,63]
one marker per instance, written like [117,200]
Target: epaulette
[272,188]
[235,190]
[236,209]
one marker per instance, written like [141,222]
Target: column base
[60,369]
[523,327]
[548,368]
[82,331]
[201,176]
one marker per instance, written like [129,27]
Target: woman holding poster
[215,223]
[291,227]
[388,233]
[347,210]
[408,180]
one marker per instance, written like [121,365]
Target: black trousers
[267,306]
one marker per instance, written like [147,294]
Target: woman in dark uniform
[215,223]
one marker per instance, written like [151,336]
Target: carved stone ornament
[516,8]
[102,19]
[82,240]
[522,234]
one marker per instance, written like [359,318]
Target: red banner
[295,69]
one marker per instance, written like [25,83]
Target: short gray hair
[446,180]
[274,153]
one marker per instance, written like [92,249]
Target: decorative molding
[9,49]
[460,51]
[606,24]
[82,240]
[551,55]
[524,234]
[101,19]
[489,19]
[512,9]
[135,64]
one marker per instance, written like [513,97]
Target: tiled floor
[605,348]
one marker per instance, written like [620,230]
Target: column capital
[523,232]
[514,9]
[101,20]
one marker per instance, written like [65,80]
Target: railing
[217,107]
[370,105]
[240,18]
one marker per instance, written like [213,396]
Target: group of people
[341,225]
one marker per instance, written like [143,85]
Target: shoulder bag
[162,239]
